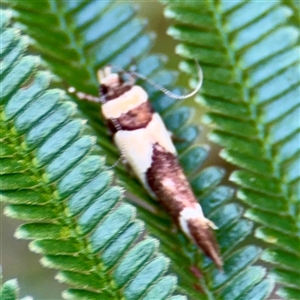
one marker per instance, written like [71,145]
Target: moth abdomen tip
[204,237]
[199,229]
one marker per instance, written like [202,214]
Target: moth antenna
[169,93]
[84,96]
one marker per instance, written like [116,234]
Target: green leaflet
[83,37]
[55,179]
[9,290]
[250,59]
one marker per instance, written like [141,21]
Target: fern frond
[74,49]
[54,178]
[9,290]
[250,58]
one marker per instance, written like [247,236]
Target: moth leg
[128,169]
[174,228]
[125,163]
[133,65]
[176,138]
[83,96]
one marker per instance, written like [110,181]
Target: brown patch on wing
[112,93]
[204,238]
[168,182]
[136,118]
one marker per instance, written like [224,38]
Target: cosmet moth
[146,145]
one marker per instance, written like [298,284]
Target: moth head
[111,82]
[107,79]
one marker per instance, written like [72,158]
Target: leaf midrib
[63,25]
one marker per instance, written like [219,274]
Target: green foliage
[250,58]
[9,290]
[54,178]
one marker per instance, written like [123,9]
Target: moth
[145,143]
